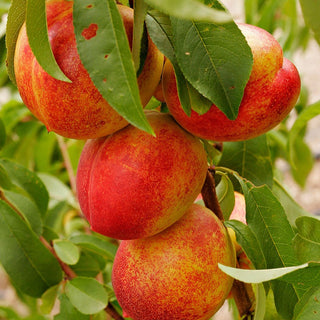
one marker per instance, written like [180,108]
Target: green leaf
[88,265]
[7,313]
[27,208]
[68,311]
[12,113]
[107,58]
[48,299]
[308,308]
[16,18]
[58,191]
[250,158]
[309,227]
[267,219]
[24,257]
[258,276]
[95,244]
[304,278]
[190,10]
[36,25]
[292,208]
[307,241]
[87,295]
[207,55]
[66,251]
[303,161]
[306,250]
[300,123]
[2,134]
[29,182]
[311,15]
[225,194]
[160,31]
[261,301]
[245,237]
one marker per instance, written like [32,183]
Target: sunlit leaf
[258,276]
[190,10]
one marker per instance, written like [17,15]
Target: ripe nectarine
[270,94]
[75,110]
[132,185]
[174,275]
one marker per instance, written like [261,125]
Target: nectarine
[75,110]
[174,275]
[270,94]
[132,185]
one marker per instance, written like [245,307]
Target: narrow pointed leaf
[190,10]
[36,25]
[208,54]
[24,257]
[104,51]
[16,18]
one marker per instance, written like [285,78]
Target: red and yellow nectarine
[132,185]
[174,275]
[75,110]
[270,94]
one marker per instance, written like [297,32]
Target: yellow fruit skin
[174,275]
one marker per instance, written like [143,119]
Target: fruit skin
[174,275]
[132,185]
[75,110]
[269,96]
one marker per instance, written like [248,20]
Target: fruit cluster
[141,188]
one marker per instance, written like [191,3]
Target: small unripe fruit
[174,275]
[132,185]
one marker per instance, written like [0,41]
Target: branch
[242,294]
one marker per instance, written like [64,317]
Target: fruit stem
[209,194]
[140,10]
